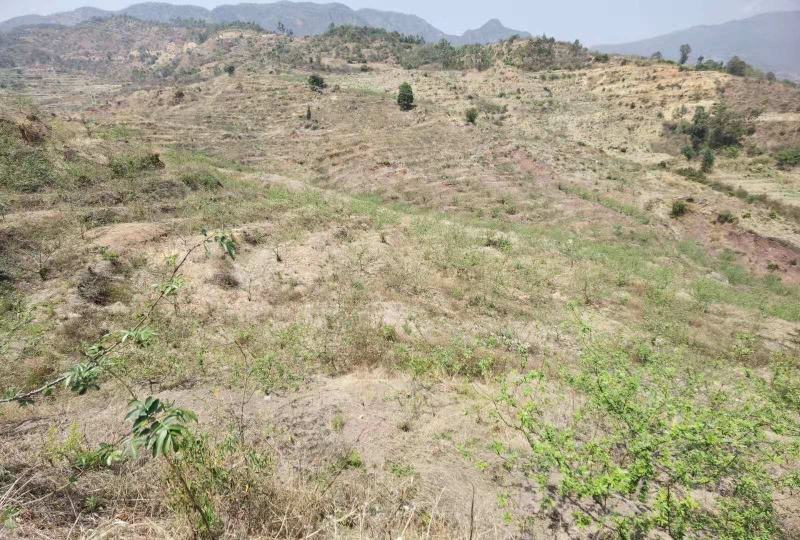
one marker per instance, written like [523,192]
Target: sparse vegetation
[556,308]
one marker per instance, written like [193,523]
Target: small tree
[471,115]
[708,160]
[316,83]
[771,76]
[686,50]
[405,97]
[736,66]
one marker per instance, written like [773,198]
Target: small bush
[498,242]
[122,166]
[230,70]
[202,180]
[22,167]
[405,97]
[100,289]
[688,152]
[726,217]
[692,174]
[679,208]
[788,158]
[471,115]
[316,83]
[708,160]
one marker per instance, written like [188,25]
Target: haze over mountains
[770,41]
[302,18]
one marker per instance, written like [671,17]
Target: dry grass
[392,268]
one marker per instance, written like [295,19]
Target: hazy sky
[592,21]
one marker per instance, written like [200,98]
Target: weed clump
[679,208]
[201,180]
[128,165]
[788,158]
[471,115]
[726,217]
[99,288]
[23,167]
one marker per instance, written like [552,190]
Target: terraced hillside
[546,323]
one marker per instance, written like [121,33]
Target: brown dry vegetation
[393,270]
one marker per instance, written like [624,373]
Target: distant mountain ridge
[770,41]
[302,18]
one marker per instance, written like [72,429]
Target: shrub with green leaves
[316,83]
[23,167]
[471,115]
[719,128]
[129,165]
[679,208]
[201,180]
[405,97]
[726,217]
[708,160]
[788,158]
[666,448]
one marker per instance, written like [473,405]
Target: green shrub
[736,66]
[679,208]
[708,160]
[688,152]
[23,167]
[230,70]
[720,128]
[471,115]
[726,217]
[128,165]
[692,174]
[316,83]
[788,158]
[204,180]
[656,448]
[405,97]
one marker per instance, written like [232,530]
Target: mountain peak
[493,23]
[303,18]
